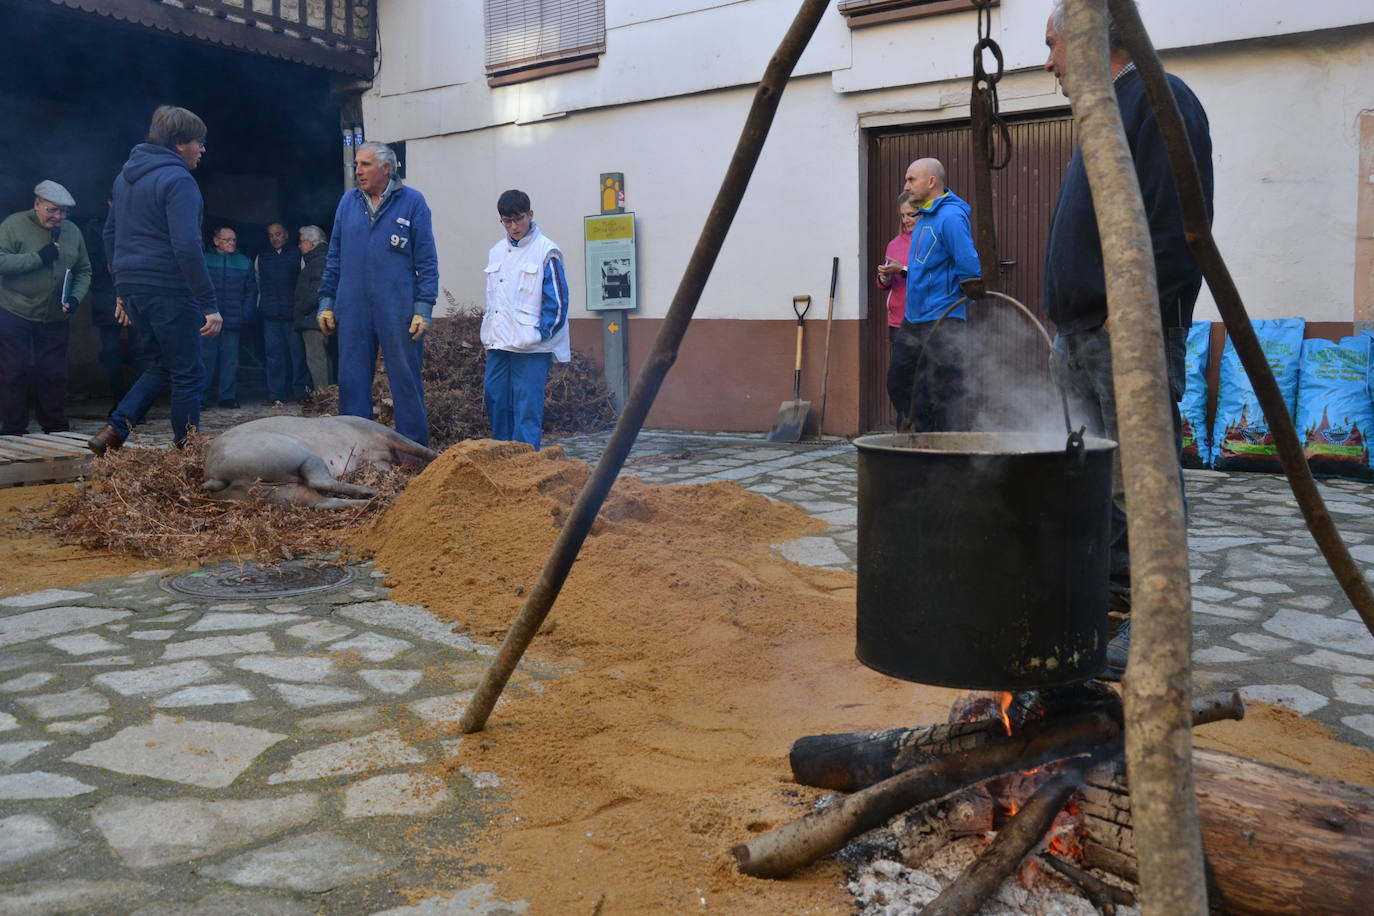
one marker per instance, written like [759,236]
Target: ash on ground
[883,886]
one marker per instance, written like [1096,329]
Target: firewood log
[780,852]
[1276,841]
[849,761]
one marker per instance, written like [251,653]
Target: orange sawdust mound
[692,657]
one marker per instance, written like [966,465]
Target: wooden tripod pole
[661,359]
[1158,681]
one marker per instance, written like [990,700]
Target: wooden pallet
[43,458]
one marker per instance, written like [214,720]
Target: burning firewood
[780,852]
[1023,832]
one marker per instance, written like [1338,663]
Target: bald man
[942,269]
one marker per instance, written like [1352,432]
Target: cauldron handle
[1045,335]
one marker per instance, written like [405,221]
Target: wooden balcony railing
[337,35]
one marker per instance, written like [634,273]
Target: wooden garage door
[1009,374]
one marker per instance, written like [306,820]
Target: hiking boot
[108,439]
[1117,652]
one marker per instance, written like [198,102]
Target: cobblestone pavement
[165,754]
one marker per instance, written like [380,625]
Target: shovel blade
[791,419]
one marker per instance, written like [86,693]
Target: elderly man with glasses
[380,282]
[44,273]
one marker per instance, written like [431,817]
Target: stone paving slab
[164,755]
[208,769]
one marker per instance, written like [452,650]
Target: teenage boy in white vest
[525,325]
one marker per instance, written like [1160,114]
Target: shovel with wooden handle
[792,414]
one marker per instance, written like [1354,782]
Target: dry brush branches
[148,502]
[576,397]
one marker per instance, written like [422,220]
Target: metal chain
[985,91]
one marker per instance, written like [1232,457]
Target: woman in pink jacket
[892,272]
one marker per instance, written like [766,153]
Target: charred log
[847,762]
[1105,897]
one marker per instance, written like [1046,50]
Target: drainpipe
[349,93]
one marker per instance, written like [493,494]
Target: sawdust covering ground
[30,562]
[692,657]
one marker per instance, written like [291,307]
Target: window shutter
[521,33]
[860,13]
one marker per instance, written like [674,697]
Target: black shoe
[229,405]
[1117,652]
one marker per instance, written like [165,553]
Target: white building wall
[661,108]
[793,219]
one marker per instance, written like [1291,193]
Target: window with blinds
[531,35]
[875,12]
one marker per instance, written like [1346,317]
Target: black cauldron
[983,557]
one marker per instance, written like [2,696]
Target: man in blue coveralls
[525,325]
[381,278]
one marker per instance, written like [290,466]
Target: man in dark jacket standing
[1076,289]
[152,239]
[277,269]
[113,355]
[237,291]
[312,244]
[44,272]
[381,278]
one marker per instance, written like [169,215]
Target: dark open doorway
[79,92]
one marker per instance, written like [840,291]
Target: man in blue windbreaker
[943,268]
[381,279]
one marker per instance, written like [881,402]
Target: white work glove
[418,326]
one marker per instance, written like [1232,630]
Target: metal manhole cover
[281,580]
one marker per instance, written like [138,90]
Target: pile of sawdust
[694,657]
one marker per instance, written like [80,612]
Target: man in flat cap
[44,273]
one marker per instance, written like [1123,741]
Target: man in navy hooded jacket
[152,239]
[381,279]
[943,259]
[1076,286]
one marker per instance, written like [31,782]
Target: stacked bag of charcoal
[1326,386]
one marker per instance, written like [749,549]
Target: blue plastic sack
[1241,440]
[1334,409]
[1192,407]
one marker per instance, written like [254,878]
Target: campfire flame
[1004,699]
